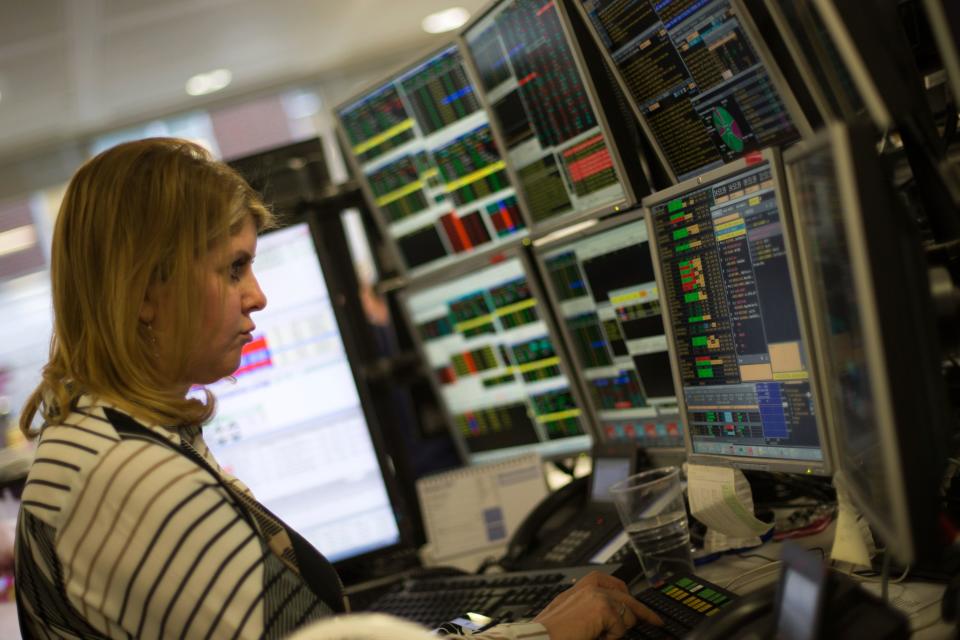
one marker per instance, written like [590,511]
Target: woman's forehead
[242,238]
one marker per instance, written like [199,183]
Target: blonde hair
[139,213]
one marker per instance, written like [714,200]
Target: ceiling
[72,68]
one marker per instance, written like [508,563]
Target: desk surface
[743,574]
[748,572]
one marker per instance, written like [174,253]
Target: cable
[775,563]
[489,561]
[756,555]
[564,467]
[862,576]
[885,579]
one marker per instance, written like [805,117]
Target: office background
[99,73]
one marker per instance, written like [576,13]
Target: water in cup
[662,544]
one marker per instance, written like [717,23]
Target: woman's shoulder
[96,450]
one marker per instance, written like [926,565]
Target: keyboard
[505,597]
[682,602]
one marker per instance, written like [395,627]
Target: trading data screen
[606,293]
[528,73]
[291,426]
[728,287]
[496,364]
[857,431]
[438,180]
[695,78]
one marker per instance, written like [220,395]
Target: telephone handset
[574,521]
[557,508]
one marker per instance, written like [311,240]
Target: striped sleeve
[153,547]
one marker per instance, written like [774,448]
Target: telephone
[570,524]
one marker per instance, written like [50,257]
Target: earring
[153,340]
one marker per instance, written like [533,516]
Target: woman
[128,526]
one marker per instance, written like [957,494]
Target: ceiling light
[17,239]
[446,20]
[204,83]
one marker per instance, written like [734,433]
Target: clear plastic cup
[653,514]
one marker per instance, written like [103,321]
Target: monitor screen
[696,79]
[288,175]
[874,335]
[606,473]
[542,104]
[497,363]
[818,199]
[425,153]
[729,294]
[603,287]
[291,426]
[817,58]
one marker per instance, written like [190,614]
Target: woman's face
[230,294]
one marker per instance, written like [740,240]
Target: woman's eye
[239,267]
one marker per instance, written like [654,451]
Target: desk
[919,600]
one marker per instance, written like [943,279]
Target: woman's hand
[597,606]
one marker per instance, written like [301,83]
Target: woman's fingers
[604,580]
[616,585]
[639,610]
[598,606]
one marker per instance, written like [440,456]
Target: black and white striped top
[132,530]
[123,535]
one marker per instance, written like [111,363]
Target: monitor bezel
[554,222]
[349,338]
[818,92]
[770,156]
[766,58]
[904,497]
[515,250]
[540,251]
[381,221]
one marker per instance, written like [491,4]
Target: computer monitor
[288,175]
[874,48]
[486,335]
[944,19]
[698,79]
[292,424]
[602,286]
[429,165]
[874,335]
[816,57]
[544,109]
[736,324]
